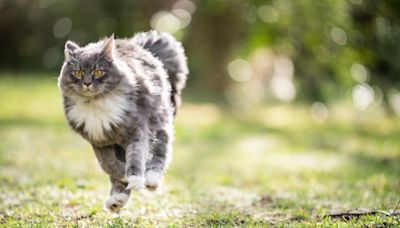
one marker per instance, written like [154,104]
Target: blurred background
[290,111]
[246,52]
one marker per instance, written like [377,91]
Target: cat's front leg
[119,195]
[161,149]
[109,162]
[115,168]
[136,155]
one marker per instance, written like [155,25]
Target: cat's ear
[108,48]
[70,48]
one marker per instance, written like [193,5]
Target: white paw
[135,182]
[116,202]
[153,179]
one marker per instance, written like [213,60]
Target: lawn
[269,166]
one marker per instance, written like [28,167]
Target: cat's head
[89,71]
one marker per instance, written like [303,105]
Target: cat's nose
[87,84]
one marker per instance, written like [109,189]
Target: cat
[121,95]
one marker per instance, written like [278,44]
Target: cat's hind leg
[155,166]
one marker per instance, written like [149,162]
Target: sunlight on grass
[275,167]
[203,115]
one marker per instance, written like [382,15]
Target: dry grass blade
[357,214]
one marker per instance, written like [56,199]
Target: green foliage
[323,39]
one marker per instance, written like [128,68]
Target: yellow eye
[98,73]
[78,73]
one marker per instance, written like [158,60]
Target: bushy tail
[170,52]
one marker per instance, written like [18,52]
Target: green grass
[269,166]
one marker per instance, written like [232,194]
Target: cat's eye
[98,73]
[78,73]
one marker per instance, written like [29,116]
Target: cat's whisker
[108,92]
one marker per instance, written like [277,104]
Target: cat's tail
[171,53]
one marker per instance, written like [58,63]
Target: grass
[269,166]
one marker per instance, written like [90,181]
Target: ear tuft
[70,48]
[108,49]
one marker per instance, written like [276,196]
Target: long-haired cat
[121,95]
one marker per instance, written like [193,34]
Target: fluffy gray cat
[121,95]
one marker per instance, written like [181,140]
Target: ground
[267,166]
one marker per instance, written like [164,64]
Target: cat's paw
[135,183]
[116,202]
[153,179]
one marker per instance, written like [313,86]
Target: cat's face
[89,71]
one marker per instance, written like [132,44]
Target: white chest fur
[98,115]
